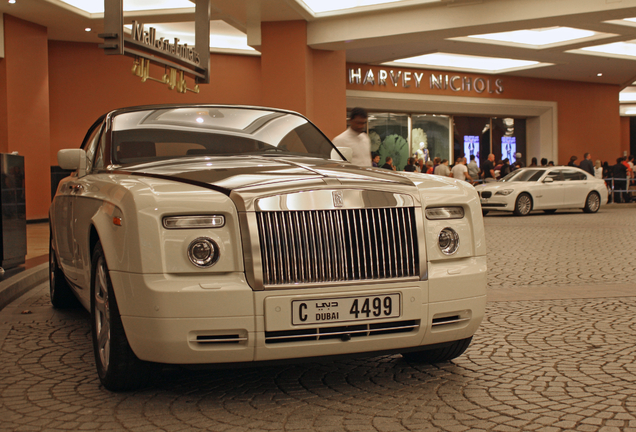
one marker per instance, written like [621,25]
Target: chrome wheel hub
[102,313]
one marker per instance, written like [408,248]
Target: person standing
[375,160]
[388,163]
[460,170]
[587,164]
[473,168]
[442,168]
[356,138]
[489,169]
[410,165]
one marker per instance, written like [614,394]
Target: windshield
[150,135]
[523,175]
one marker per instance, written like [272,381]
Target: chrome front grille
[343,333]
[315,246]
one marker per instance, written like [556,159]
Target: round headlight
[203,252]
[448,240]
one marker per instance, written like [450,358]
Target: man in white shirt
[442,169]
[460,171]
[356,138]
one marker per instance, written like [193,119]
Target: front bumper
[198,320]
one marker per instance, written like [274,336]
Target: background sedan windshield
[145,136]
[523,175]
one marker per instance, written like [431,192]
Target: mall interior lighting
[619,49]
[97,6]
[322,6]
[467,62]
[538,37]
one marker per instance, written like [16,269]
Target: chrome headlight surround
[193,222]
[203,252]
[440,213]
[448,241]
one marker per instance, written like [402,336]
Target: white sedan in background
[543,188]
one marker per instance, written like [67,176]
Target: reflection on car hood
[247,172]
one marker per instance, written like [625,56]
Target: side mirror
[347,152]
[548,180]
[72,159]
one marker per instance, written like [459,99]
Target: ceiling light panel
[467,63]
[540,38]
[97,6]
[626,50]
[324,6]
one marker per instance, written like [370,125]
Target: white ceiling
[387,32]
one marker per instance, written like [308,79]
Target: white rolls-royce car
[544,188]
[217,234]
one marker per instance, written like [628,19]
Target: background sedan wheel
[439,355]
[592,203]
[523,205]
[117,365]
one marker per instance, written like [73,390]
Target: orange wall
[86,83]
[625,135]
[588,114]
[329,92]
[24,115]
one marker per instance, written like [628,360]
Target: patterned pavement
[563,364]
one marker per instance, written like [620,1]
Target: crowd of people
[618,176]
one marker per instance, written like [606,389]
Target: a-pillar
[24,108]
[299,78]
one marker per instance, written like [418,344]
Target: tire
[439,355]
[484,212]
[118,367]
[62,296]
[523,205]
[592,203]
[550,211]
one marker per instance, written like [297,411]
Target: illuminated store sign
[437,81]
[150,38]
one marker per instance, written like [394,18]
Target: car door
[550,194]
[576,187]
[74,189]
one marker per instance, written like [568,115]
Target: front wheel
[62,296]
[117,365]
[439,355]
[523,205]
[592,203]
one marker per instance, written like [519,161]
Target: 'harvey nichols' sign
[436,81]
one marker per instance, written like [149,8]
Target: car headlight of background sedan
[448,241]
[504,192]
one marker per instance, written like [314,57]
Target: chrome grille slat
[317,246]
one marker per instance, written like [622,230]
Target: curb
[19,284]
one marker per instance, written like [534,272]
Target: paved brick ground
[535,365]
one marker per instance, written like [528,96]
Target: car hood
[251,172]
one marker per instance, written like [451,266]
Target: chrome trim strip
[213,341]
[343,283]
[323,200]
[460,320]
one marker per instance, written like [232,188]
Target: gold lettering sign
[149,37]
[456,83]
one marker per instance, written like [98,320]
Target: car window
[146,136]
[523,175]
[572,175]
[555,175]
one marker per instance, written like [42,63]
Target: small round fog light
[448,241]
[203,252]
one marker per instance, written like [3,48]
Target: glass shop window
[389,134]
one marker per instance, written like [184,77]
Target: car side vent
[343,333]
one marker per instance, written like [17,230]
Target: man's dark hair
[388,158]
[374,154]
[472,157]
[358,112]
[544,161]
[585,155]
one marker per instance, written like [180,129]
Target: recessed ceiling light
[599,74]
[87,29]
[11,1]
[467,63]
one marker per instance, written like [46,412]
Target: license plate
[342,309]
